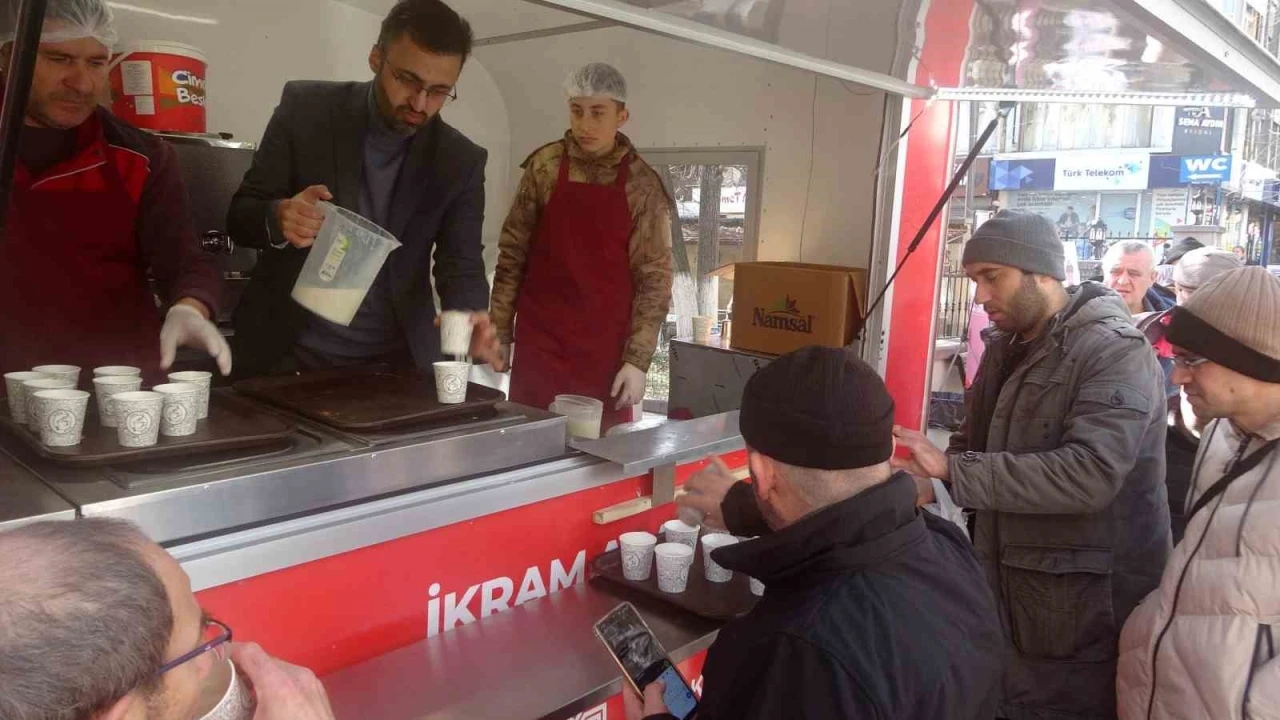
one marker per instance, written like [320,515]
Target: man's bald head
[84,618]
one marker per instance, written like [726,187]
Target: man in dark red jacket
[96,206]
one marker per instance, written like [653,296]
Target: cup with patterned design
[228,692]
[107,386]
[673,561]
[455,333]
[180,414]
[702,325]
[137,418]
[61,372]
[16,395]
[31,387]
[451,381]
[201,379]
[117,371]
[637,554]
[678,531]
[60,416]
[713,570]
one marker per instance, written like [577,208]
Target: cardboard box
[782,306]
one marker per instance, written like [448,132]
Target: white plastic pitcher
[584,415]
[342,265]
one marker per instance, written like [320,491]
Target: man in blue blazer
[380,149]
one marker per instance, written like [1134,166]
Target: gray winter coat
[1072,520]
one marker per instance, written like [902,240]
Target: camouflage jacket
[650,249]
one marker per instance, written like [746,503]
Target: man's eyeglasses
[1189,362]
[215,634]
[435,93]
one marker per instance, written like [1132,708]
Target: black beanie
[1180,248]
[820,408]
[1019,240]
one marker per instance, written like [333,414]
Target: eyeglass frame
[222,639]
[1189,362]
[416,86]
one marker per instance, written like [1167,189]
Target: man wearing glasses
[99,623]
[380,149]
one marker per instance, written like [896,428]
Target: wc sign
[1205,168]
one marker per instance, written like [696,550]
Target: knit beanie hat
[1234,320]
[1021,240]
[1199,266]
[1177,250]
[820,408]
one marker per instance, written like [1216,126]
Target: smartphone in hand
[643,660]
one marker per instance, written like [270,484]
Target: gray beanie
[1201,265]
[1021,240]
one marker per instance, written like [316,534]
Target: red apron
[573,316]
[73,284]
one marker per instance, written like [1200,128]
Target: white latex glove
[628,386]
[184,325]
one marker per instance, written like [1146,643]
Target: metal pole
[17,87]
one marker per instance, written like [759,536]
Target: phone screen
[643,658]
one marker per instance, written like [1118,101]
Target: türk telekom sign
[1117,170]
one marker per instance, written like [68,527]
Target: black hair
[432,25]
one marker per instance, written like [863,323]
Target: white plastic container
[584,414]
[342,265]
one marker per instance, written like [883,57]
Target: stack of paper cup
[60,372]
[31,387]
[180,415]
[678,531]
[17,395]
[451,381]
[202,380]
[637,554]
[117,371]
[60,416]
[702,325]
[137,418]
[674,561]
[455,333]
[714,571]
[107,386]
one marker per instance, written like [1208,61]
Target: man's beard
[391,115]
[1027,307]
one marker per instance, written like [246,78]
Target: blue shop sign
[1204,168]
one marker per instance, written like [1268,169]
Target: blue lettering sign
[1205,168]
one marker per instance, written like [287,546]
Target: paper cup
[137,418]
[107,386]
[455,333]
[714,571]
[16,395]
[60,416]
[117,371]
[236,700]
[674,561]
[60,372]
[202,380]
[702,325]
[637,554]
[179,416]
[757,587]
[451,382]
[678,531]
[31,387]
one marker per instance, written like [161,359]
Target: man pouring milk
[96,206]
[584,274]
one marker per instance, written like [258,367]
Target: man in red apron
[583,281]
[96,206]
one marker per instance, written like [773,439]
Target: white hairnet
[596,80]
[65,20]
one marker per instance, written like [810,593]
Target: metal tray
[373,397]
[233,423]
[715,601]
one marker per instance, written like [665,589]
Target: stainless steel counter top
[669,444]
[24,499]
[538,660]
